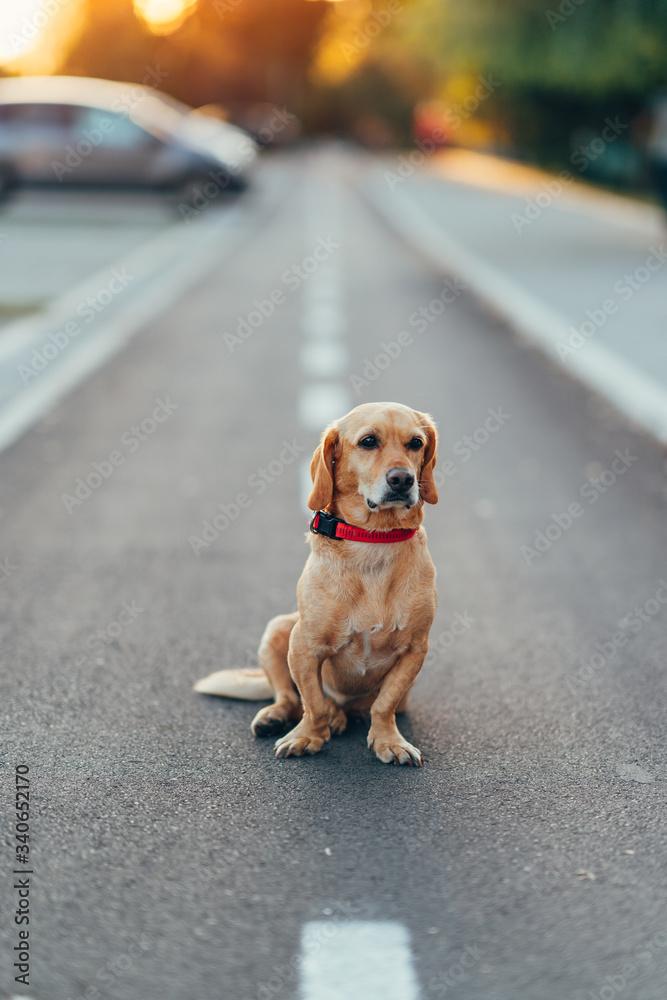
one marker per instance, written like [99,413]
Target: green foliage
[562,68]
[590,48]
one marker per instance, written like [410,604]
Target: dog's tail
[248,685]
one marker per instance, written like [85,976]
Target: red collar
[330,526]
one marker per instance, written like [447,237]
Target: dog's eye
[415,444]
[370,441]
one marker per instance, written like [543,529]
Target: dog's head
[375,465]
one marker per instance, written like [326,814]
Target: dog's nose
[400,480]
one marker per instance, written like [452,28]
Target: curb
[637,396]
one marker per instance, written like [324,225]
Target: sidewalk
[582,271]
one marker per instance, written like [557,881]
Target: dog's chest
[368,644]
[373,603]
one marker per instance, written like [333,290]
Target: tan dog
[360,635]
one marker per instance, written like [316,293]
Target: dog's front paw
[300,741]
[395,750]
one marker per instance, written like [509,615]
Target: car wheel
[195,193]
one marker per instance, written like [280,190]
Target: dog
[366,597]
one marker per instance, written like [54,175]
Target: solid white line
[323,354]
[164,269]
[642,399]
[358,960]
[149,257]
[163,273]
[322,402]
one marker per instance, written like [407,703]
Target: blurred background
[223,224]
[577,88]
[522,129]
[381,73]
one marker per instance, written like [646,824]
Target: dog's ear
[322,470]
[427,488]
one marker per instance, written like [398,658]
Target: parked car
[82,131]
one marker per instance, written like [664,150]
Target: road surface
[173,855]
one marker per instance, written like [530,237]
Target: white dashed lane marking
[322,402]
[323,314]
[323,356]
[323,359]
[359,960]
[355,960]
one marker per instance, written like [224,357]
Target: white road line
[81,358]
[642,399]
[359,960]
[162,274]
[324,359]
[323,317]
[163,269]
[323,354]
[140,264]
[322,402]
[327,285]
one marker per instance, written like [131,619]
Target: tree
[225,50]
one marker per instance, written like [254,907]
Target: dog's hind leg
[272,654]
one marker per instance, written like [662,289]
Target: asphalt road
[174,857]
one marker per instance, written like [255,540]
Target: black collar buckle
[324,524]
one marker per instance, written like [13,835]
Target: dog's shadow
[354,736]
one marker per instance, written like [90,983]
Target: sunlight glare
[21,25]
[164,16]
